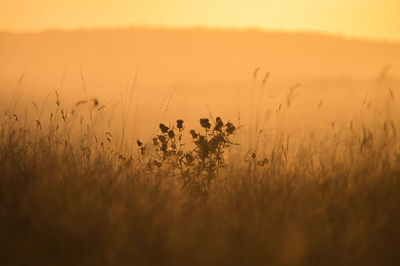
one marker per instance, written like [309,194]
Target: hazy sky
[365,18]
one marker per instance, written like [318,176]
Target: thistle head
[164,128]
[164,147]
[171,134]
[204,122]
[194,134]
[230,128]
[218,124]
[155,141]
[162,138]
[179,123]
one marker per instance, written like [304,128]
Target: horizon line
[202,27]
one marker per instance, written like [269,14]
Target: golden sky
[376,19]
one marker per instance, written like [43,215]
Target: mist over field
[209,70]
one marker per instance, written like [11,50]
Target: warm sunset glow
[200,132]
[377,19]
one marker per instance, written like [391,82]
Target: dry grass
[69,196]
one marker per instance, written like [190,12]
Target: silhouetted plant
[206,157]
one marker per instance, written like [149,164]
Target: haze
[374,19]
[211,71]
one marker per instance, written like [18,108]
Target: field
[97,182]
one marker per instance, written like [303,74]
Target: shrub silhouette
[206,157]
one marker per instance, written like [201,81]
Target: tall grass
[70,196]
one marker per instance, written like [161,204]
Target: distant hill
[193,55]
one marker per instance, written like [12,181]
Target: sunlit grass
[69,195]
